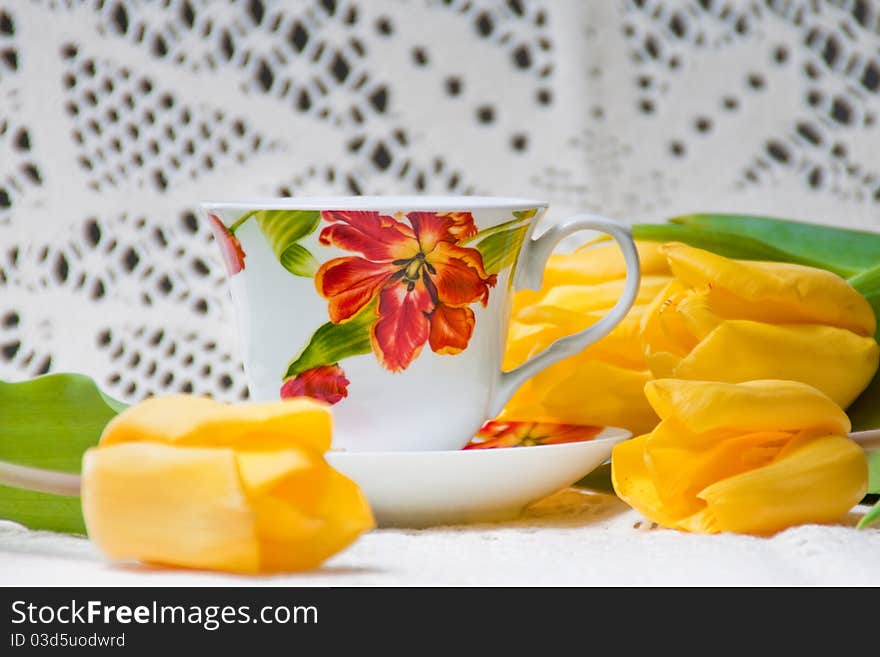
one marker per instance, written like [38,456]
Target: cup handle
[533,259]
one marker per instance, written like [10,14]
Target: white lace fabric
[116,118]
[570,539]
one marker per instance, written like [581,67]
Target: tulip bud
[325,382]
[753,457]
[732,320]
[230,246]
[187,481]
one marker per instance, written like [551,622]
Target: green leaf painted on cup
[333,342]
[870,517]
[500,250]
[842,250]
[522,215]
[284,229]
[298,260]
[49,422]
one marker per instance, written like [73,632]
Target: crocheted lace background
[116,118]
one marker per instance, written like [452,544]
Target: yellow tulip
[731,320]
[603,384]
[752,457]
[187,481]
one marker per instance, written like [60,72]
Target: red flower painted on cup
[230,247]
[423,278]
[326,382]
[498,433]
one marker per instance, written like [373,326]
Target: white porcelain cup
[394,309]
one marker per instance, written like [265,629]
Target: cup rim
[417,203]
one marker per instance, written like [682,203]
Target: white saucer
[418,489]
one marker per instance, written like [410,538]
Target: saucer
[419,489]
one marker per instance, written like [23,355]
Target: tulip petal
[293,540]
[772,292]
[262,471]
[451,329]
[459,275]
[431,228]
[345,511]
[597,262]
[350,283]
[703,406]
[403,326]
[836,361]
[230,246]
[182,506]
[632,481]
[326,383]
[378,237]
[457,282]
[201,422]
[297,526]
[666,335]
[587,298]
[681,469]
[815,479]
[586,391]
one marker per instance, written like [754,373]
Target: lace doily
[116,118]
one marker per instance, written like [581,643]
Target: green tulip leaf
[868,285]
[334,342]
[865,411]
[873,472]
[598,480]
[870,517]
[500,250]
[49,422]
[284,229]
[842,250]
[55,513]
[729,245]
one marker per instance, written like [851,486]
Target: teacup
[394,308]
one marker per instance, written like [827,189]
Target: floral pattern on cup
[325,382]
[501,433]
[413,280]
[230,247]
[420,276]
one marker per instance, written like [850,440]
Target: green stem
[234,227]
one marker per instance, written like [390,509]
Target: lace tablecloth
[572,538]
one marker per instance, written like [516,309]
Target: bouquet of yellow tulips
[736,316]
